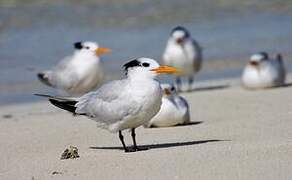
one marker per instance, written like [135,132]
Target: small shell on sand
[70,153]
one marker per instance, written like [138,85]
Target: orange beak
[165,69]
[102,50]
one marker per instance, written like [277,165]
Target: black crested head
[180,28]
[130,64]
[265,55]
[78,45]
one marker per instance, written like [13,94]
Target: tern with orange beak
[78,74]
[263,72]
[122,104]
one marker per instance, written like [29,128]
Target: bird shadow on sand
[162,145]
[190,123]
[179,125]
[286,85]
[207,88]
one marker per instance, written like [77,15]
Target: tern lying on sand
[174,109]
[263,72]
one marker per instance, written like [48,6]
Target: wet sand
[237,134]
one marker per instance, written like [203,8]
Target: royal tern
[174,109]
[79,73]
[184,53]
[122,104]
[263,72]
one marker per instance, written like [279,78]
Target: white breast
[180,57]
[149,100]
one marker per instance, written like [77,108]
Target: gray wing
[63,75]
[198,58]
[278,62]
[59,76]
[63,64]
[183,106]
[186,117]
[109,104]
[281,64]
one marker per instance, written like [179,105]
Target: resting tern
[184,53]
[263,72]
[174,109]
[122,104]
[79,73]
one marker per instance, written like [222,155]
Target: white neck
[137,75]
[85,56]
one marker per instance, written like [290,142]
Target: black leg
[136,148]
[178,83]
[133,134]
[191,80]
[123,142]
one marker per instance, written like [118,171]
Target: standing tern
[264,72]
[79,73]
[184,53]
[174,109]
[122,104]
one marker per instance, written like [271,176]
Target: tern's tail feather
[44,78]
[66,103]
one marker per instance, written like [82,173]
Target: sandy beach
[237,134]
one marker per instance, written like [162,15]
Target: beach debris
[7,116]
[70,153]
[56,172]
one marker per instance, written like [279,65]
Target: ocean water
[34,37]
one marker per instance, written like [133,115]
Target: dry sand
[239,134]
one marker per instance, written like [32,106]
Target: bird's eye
[87,47]
[145,64]
[172,88]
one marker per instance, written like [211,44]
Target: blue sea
[35,36]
